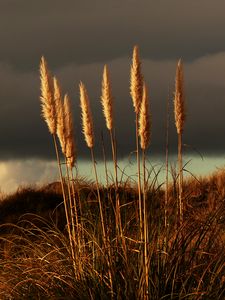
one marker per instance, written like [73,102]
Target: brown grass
[149,257]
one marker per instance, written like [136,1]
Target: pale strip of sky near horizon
[15,174]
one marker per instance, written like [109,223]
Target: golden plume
[179,101]
[86,114]
[107,98]
[144,120]
[136,84]
[47,99]
[60,115]
[70,151]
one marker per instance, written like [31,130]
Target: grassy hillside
[186,262]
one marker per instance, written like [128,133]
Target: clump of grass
[55,117]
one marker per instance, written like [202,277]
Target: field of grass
[130,239]
[184,263]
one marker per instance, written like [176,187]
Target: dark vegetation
[185,263]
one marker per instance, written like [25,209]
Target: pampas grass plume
[136,84]
[179,101]
[107,98]
[60,115]
[86,116]
[144,120]
[69,133]
[47,99]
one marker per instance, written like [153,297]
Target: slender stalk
[99,197]
[77,206]
[118,211]
[75,181]
[74,219]
[180,178]
[167,164]
[139,180]
[105,162]
[145,218]
[114,156]
[71,206]
[118,216]
[65,201]
[102,219]
[74,200]
[179,110]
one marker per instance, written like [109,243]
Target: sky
[77,39]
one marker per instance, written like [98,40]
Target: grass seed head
[86,115]
[179,101]
[60,115]
[47,98]
[136,84]
[70,151]
[144,120]
[106,99]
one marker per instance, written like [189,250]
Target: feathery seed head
[144,120]
[60,115]
[70,151]
[86,116]
[47,99]
[136,84]
[106,99]
[179,101]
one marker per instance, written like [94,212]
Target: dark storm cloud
[79,37]
[94,31]
[25,134]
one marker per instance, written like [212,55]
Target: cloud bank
[79,37]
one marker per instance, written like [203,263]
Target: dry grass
[74,244]
[36,261]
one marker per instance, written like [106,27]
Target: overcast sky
[77,37]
